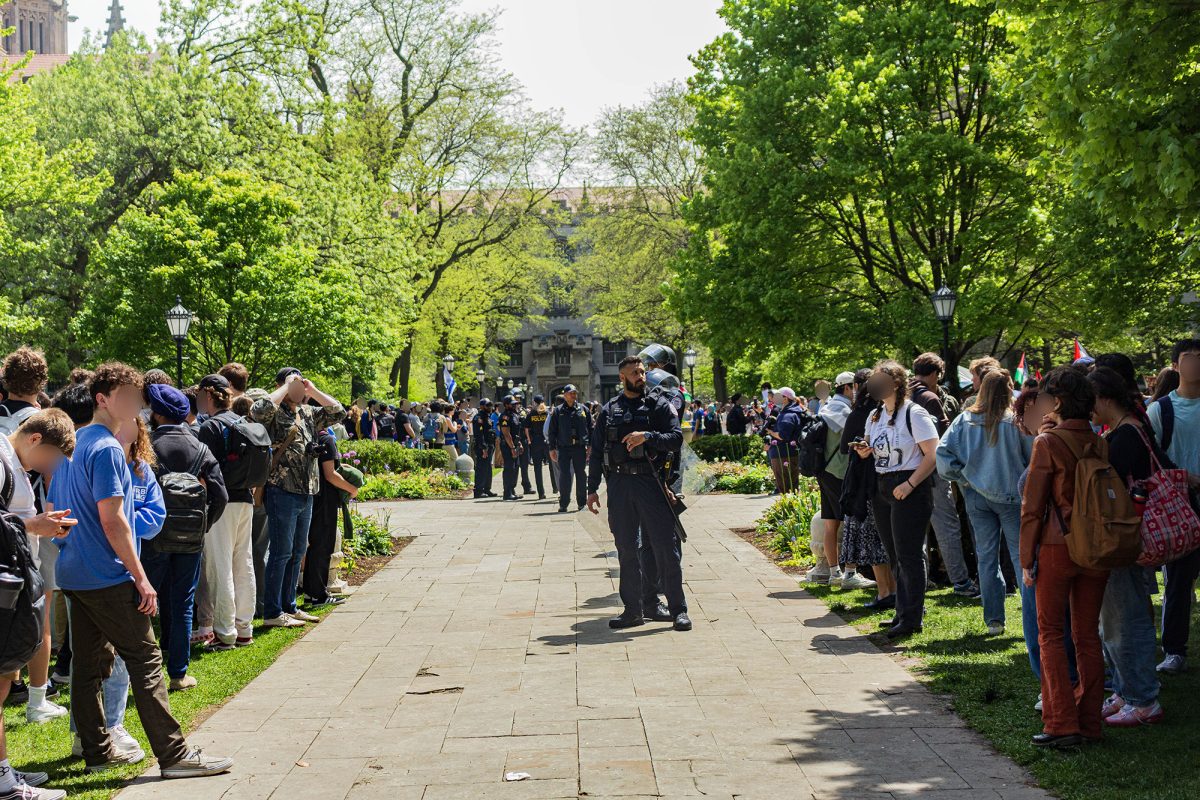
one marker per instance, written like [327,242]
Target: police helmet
[657,355]
[508,400]
[660,377]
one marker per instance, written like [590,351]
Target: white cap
[787,392]
[843,379]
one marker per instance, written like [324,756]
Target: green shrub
[374,457]
[788,521]
[724,448]
[737,478]
[372,536]
[412,484]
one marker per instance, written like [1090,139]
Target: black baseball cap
[537,398]
[285,373]
[508,399]
[214,381]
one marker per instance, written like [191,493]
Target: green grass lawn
[47,748]
[993,689]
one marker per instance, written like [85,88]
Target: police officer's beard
[639,389]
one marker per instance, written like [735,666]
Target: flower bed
[395,472]
[786,524]
[421,484]
[746,449]
[733,477]
[376,457]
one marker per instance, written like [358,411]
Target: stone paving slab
[484,649]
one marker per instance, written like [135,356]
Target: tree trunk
[720,389]
[402,369]
[1046,363]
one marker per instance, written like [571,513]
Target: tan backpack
[1105,527]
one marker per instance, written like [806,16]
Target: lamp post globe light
[179,319]
[689,358]
[499,386]
[944,300]
[510,383]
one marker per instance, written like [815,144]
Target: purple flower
[357,461]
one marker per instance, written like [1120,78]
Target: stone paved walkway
[484,648]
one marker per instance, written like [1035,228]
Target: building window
[562,356]
[41,37]
[516,354]
[20,38]
[614,352]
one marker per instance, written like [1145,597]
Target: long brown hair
[141,452]
[899,376]
[994,401]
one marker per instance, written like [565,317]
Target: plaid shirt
[297,472]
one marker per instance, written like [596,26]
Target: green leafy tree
[1115,85]
[858,157]
[632,230]
[222,244]
[36,186]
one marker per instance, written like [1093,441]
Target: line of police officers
[634,444]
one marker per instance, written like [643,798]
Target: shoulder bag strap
[10,485]
[277,456]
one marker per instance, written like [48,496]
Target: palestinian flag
[1079,352]
[1021,373]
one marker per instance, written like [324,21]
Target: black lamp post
[944,300]
[689,358]
[179,319]
[448,361]
[499,387]
[480,375]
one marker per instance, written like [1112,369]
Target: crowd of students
[896,445]
[138,499]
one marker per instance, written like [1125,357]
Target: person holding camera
[293,480]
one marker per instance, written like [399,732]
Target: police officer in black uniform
[483,435]
[535,438]
[569,434]
[634,434]
[523,458]
[510,446]
[661,381]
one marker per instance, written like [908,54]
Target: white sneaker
[853,580]
[23,791]
[282,621]
[32,779]
[124,742]
[835,576]
[995,629]
[1172,665]
[43,713]
[197,765]
[303,616]
[1038,705]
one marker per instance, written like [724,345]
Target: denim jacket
[966,457]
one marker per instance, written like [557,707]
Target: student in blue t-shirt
[110,597]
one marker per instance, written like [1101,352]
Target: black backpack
[812,449]
[247,455]
[22,592]
[386,426]
[186,499]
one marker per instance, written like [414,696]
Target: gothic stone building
[564,349]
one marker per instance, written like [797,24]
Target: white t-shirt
[22,502]
[895,448]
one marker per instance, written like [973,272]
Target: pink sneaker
[1130,717]
[1112,705]
[202,639]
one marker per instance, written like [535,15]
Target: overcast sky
[577,55]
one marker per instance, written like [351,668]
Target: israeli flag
[448,379]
